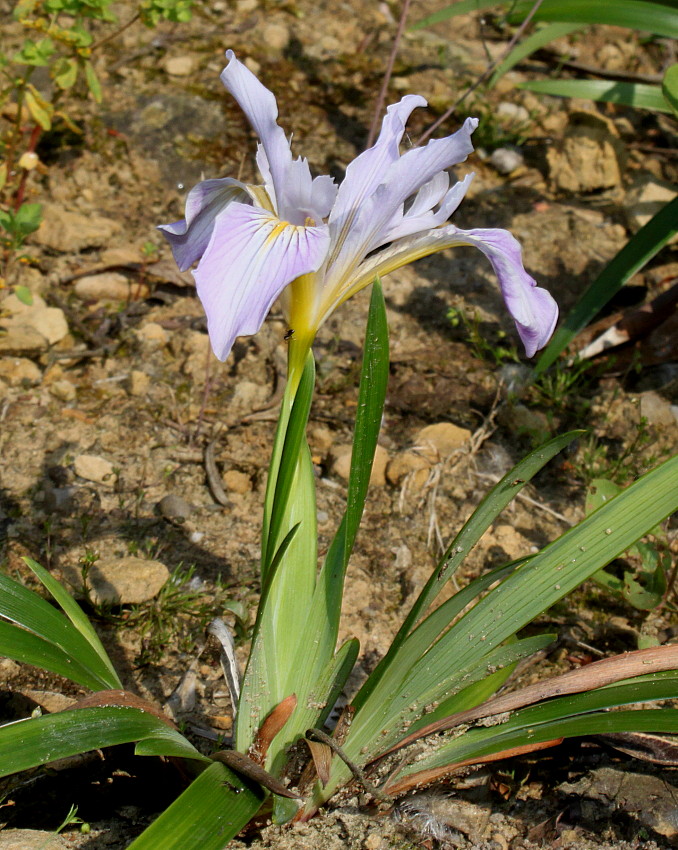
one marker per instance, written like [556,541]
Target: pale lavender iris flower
[314,244]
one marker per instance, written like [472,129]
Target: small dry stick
[358,772]
[486,73]
[387,74]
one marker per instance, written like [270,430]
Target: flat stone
[237,482]
[18,371]
[590,156]
[14,305]
[21,339]
[127,580]
[48,321]
[31,839]
[180,66]
[342,464]
[95,468]
[442,438]
[650,800]
[174,507]
[138,383]
[65,231]
[647,195]
[64,390]
[108,286]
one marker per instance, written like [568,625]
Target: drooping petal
[189,237]
[533,309]
[251,257]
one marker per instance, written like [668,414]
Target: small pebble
[174,508]
[506,160]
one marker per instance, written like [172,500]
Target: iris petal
[251,257]
[189,237]
[532,308]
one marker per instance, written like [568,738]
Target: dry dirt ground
[112,407]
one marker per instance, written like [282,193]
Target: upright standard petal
[296,196]
[189,237]
[251,257]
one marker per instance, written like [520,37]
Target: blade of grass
[462,7]
[209,813]
[22,606]
[75,614]
[637,95]
[639,250]
[529,45]
[29,648]
[658,18]
[39,740]
[483,516]
[580,714]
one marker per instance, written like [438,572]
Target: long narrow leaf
[39,740]
[462,7]
[22,606]
[637,95]
[639,250]
[210,812]
[75,614]
[529,45]
[483,516]
[578,714]
[658,18]
[29,648]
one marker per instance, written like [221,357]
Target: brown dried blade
[118,697]
[605,672]
[426,777]
[633,324]
[644,745]
[322,759]
[243,765]
[273,723]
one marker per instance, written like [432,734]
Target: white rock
[95,468]
[506,160]
[65,231]
[48,321]
[514,113]
[19,370]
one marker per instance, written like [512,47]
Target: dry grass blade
[273,723]
[605,672]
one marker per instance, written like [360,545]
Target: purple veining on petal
[251,257]
[189,237]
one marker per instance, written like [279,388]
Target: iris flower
[313,244]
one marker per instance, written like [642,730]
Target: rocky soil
[133,460]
